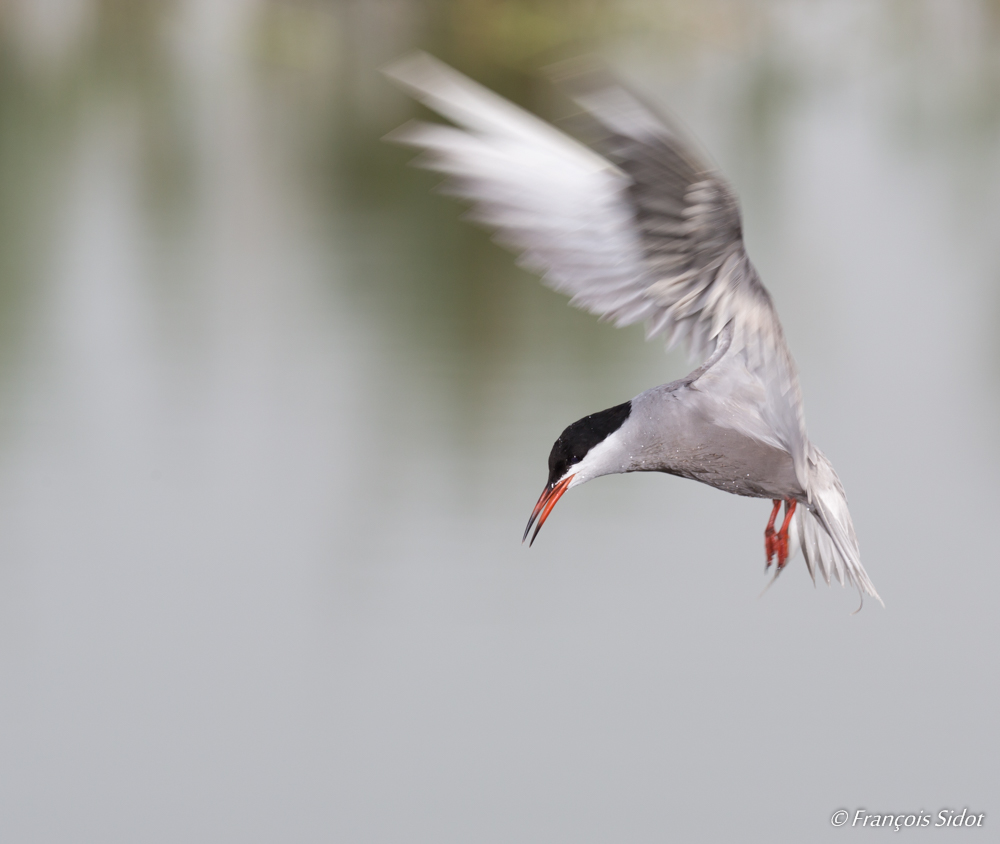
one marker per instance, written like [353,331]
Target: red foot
[769,541]
[776,544]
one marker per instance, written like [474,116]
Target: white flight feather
[610,236]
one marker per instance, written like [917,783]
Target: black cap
[580,437]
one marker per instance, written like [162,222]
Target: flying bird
[636,227]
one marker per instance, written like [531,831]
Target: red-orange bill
[546,501]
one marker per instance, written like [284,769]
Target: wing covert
[642,232]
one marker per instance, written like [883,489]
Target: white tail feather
[824,531]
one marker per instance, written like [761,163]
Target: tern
[635,227]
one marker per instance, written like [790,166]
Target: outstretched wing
[644,232]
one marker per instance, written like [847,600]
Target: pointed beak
[546,501]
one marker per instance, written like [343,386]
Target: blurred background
[272,419]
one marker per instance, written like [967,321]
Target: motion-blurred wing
[643,233]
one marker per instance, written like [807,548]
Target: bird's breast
[723,458]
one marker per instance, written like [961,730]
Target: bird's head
[584,451]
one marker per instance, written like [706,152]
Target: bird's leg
[781,540]
[770,546]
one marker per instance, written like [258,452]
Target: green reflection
[437,287]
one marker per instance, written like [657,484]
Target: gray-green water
[272,420]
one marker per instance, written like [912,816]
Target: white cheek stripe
[600,460]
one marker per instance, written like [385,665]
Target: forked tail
[824,531]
